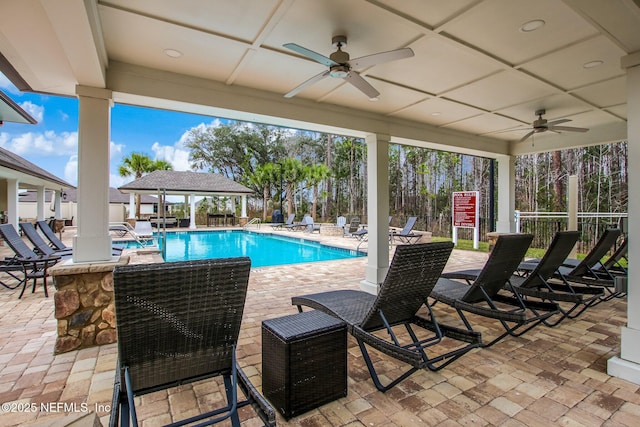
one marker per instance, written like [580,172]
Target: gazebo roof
[29,175]
[185,182]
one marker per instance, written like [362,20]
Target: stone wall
[84,304]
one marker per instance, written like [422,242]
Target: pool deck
[550,376]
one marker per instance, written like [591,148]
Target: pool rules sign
[466,214]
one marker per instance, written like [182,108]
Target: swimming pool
[263,249]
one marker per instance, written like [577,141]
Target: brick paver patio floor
[550,376]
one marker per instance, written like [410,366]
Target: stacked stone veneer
[84,304]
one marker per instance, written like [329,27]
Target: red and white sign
[466,209]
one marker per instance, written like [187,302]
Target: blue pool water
[263,249]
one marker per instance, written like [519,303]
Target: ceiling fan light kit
[342,67]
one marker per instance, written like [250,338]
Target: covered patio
[481,70]
[550,376]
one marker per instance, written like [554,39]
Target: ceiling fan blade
[567,129]
[311,54]
[379,58]
[359,82]
[309,82]
[557,122]
[527,136]
[517,129]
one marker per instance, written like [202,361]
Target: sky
[52,144]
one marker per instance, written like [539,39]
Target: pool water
[263,249]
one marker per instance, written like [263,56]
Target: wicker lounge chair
[354,226]
[406,235]
[481,296]
[178,323]
[412,274]
[539,283]
[34,266]
[589,271]
[311,226]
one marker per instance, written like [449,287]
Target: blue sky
[52,144]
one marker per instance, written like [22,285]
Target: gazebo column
[192,211]
[243,206]
[132,206]
[377,212]
[12,202]
[506,194]
[93,242]
[57,204]
[627,366]
[40,202]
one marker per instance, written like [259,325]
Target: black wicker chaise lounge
[179,322]
[481,295]
[412,274]
[40,246]
[589,271]
[539,283]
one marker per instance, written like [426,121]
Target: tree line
[326,175]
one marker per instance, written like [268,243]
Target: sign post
[466,214]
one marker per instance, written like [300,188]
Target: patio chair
[481,296]
[34,266]
[11,268]
[311,226]
[40,246]
[341,222]
[406,235]
[57,244]
[412,275]
[354,226]
[285,224]
[178,322]
[142,233]
[539,283]
[589,271]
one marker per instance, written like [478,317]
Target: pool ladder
[253,221]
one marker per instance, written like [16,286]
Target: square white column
[377,211]
[93,242]
[506,194]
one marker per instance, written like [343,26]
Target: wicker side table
[304,361]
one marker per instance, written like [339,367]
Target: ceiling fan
[342,67]
[542,125]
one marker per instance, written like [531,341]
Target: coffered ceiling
[478,72]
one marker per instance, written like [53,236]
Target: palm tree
[138,164]
[293,174]
[315,175]
[262,179]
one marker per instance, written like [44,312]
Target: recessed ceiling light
[374,99]
[592,64]
[173,53]
[533,25]
[437,113]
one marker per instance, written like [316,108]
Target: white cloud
[177,156]
[36,111]
[71,170]
[118,181]
[115,150]
[42,143]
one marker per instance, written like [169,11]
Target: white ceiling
[474,75]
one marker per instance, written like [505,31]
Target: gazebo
[189,184]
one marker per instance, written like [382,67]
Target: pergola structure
[189,184]
[481,69]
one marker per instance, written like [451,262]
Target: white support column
[627,366]
[378,211]
[57,204]
[40,203]
[506,194]
[13,216]
[243,209]
[93,242]
[192,211]
[572,208]
[132,206]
